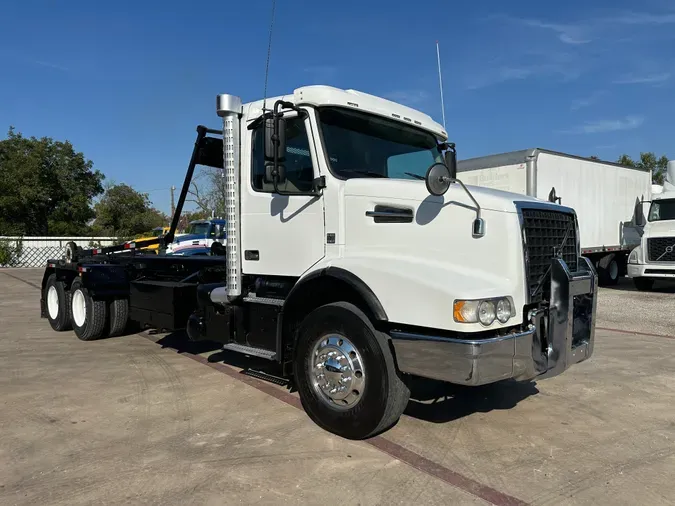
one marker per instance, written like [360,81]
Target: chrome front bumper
[557,338]
[652,270]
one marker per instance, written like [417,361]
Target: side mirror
[275,139]
[639,214]
[451,162]
[272,174]
[438,179]
[553,197]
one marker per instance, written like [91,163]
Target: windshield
[661,210]
[364,145]
[198,229]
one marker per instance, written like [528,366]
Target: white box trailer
[605,195]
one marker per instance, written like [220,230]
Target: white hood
[660,229]
[416,191]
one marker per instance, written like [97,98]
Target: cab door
[281,235]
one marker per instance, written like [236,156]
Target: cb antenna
[269,50]
[440,81]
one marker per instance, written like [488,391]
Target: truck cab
[654,258]
[199,233]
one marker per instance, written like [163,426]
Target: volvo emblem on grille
[669,249]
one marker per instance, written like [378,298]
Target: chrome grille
[544,232]
[661,249]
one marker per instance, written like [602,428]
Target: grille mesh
[544,233]
[661,249]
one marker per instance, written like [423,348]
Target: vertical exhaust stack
[229,108]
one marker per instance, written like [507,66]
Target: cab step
[264,300]
[271,378]
[250,350]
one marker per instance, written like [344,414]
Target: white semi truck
[606,196]
[654,258]
[355,260]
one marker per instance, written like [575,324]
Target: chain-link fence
[35,251]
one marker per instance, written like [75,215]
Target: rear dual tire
[58,305]
[338,341]
[89,315]
[118,309]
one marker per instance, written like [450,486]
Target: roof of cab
[321,95]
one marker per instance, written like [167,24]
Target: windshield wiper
[416,176]
[366,173]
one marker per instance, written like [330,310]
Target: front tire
[609,274]
[345,373]
[57,302]
[89,316]
[643,284]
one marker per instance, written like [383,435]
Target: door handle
[387,214]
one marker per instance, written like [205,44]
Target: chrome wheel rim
[337,372]
[79,308]
[53,302]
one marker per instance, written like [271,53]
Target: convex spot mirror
[438,179]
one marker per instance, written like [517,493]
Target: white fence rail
[36,251]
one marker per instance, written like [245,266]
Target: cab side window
[298,164]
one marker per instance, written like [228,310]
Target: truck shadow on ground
[626,285]
[438,402]
[430,400]
[180,342]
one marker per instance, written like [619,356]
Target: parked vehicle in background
[200,233]
[156,232]
[654,258]
[189,251]
[605,195]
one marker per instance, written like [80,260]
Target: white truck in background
[354,260]
[606,196]
[654,258]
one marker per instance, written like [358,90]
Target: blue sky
[127,82]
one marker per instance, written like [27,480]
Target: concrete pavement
[129,420]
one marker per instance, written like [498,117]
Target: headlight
[485,311]
[503,310]
[633,257]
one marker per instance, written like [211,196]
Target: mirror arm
[478,224]
[470,196]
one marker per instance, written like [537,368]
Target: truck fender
[373,304]
[420,292]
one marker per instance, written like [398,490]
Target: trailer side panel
[511,178]
[604,196]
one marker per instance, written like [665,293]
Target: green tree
[46,187]
[648,161]
[123,212]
